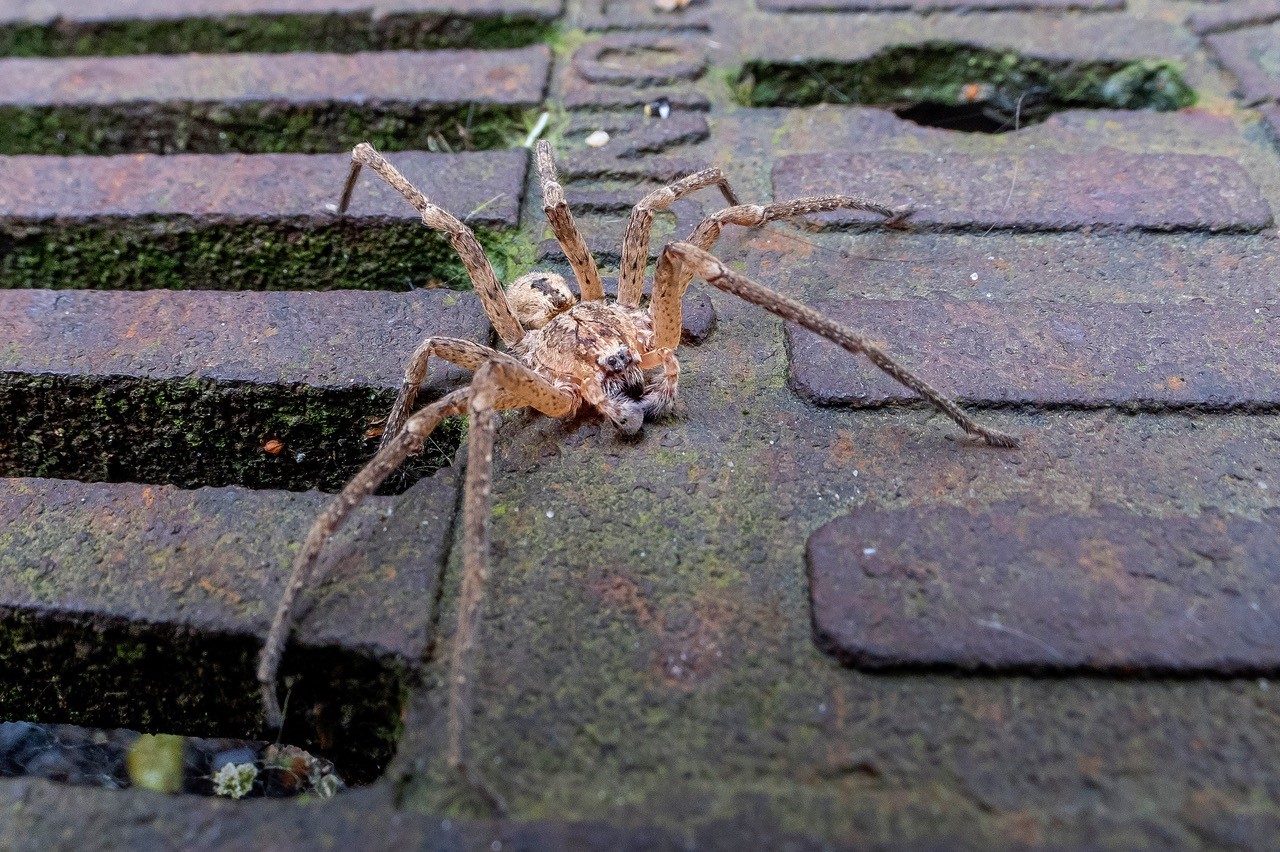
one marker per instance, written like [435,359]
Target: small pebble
[598,139]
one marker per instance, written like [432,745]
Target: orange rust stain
[1102,561]
[225,595]
[148,496]
[845,449]
[621,592]
[1176,383]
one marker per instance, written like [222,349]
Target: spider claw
[1000,439]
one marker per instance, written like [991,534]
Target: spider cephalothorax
[563,353]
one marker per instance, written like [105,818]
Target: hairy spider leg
[464,242]
[706,233]
[464,353]
[635,241]
[563,226]
[407,442]
[500,382]
[679,258]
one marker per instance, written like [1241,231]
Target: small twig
[539,126]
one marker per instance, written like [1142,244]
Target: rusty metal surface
[647,653]
[510,77]
[214,559]
[72,12]
[1055,191]
[1251,54]
[1015,586]
[339,339]
[1051,354]
[483,187]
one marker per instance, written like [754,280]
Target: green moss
[114,675]
[197,432]
[259,127]
[946,74]
[181,254]
[330,33]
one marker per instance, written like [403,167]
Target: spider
[564,353]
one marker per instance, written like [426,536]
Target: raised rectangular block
[340,339]
[308,102]
[1052,191]
[1018,587]
[145,606]
[1132,356]
[937,5]
[270,390]
[1253,56]
[1218,17]
[71,12]
[215,560]
[122,27]
[481,187]
[244,221]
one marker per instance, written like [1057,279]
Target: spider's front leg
[566,230]
[500,382]
[483,279]
[680,261]
[704,236]
[635,241]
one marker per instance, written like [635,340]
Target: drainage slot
[197,432]
[267,33]
[255,127]
[101,673]
[981,90]
[178,253]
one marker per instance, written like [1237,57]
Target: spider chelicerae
[563,353]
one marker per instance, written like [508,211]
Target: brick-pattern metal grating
[803,611]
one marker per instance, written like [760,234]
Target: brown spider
[617,358]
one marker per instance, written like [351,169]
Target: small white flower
[234,779]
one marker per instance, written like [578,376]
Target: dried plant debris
[120,758]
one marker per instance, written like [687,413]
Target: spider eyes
[617,361]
